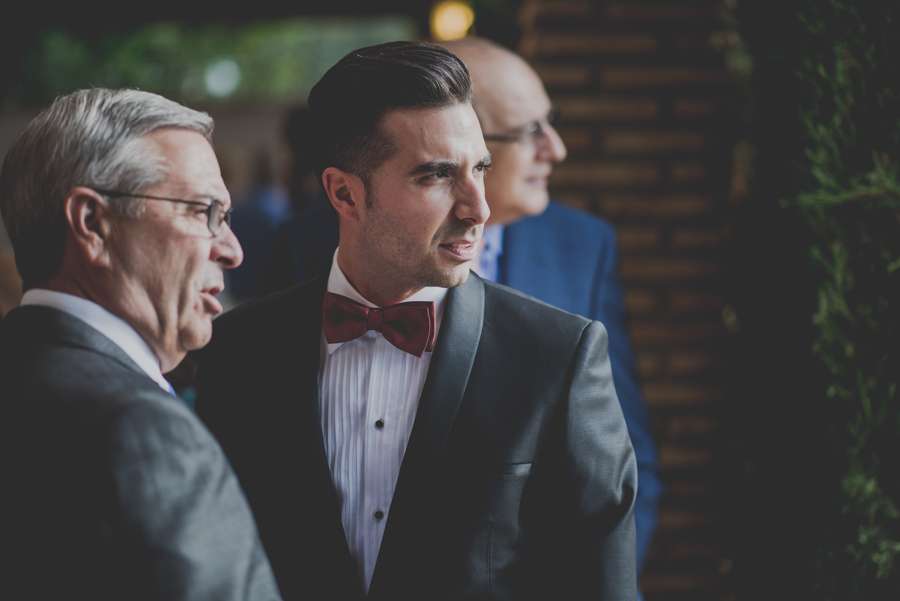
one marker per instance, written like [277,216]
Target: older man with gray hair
[118,216]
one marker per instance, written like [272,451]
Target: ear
[88,218]
[345,191]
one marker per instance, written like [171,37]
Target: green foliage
[278,60]
[848,192]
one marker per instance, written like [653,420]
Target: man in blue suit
[561,256]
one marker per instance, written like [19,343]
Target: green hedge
[838,64]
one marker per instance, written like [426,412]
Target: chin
[451,276]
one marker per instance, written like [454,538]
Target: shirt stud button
[379,424]
[379,515]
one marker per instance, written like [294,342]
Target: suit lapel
[530,265]
[40,324]
[524,262]
[448,376]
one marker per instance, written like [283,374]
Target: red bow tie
[408,326]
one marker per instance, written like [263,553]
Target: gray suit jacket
[518,481]
[112,489]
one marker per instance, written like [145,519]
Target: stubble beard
[411,270]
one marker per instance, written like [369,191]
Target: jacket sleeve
[599,477]
[179,518]
[608,308]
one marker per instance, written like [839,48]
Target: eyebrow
[434,166]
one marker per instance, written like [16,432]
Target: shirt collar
[339,284]
[111,326]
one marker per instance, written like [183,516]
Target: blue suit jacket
[563,257]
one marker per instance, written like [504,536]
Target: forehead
[509,93]
[189,161]
[420,136]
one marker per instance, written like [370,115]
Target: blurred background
[746,152]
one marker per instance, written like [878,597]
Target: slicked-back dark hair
[350,101]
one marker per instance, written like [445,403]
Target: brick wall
[647,118]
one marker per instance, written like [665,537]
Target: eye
[437,175]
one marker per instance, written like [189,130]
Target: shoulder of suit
[504,296]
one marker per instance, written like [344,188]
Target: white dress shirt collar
[114,328]
[339,284]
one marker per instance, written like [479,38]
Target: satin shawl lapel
[36,324]
[448,376]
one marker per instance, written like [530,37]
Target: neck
[382,294]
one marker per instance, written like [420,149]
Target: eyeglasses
[533,132]
[215,211]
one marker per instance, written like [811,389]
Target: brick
[533,10]
[624,12]
[655,333]
[685,302]
[639,77]
[659,396]
[676,582]
[692,550]
[635,142]
[689,426]
[648,364]
[680,519]
[668,269]
[577,140]
[687,172]
[608,108]
[606,174]
[659,207]
[574,200]
[638,237]
[691,108]
[676,457]
[594,44]
[641,301]
[684,42]
[690,363]
[694,238]
[683,489]
[564,75]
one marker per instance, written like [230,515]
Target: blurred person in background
[113,489]
[537,246]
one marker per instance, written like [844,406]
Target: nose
[471,205]
[550,146]
[226,249]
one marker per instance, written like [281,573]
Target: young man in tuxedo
[403,429]
[113,489]
[530,243]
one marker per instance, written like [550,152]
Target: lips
[464,250]
[208,295]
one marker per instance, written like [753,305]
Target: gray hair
[89,138]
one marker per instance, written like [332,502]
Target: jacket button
[379,515]
[379,424]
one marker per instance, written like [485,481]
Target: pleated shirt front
[368,397]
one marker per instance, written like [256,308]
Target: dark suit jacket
[112,489]
[518,481]
[563,257]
